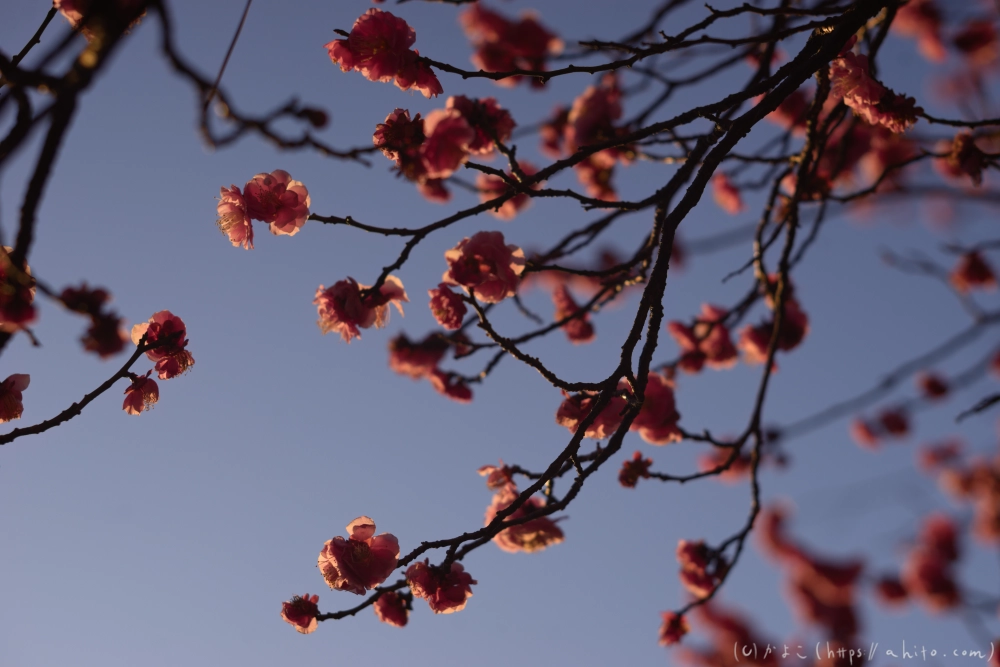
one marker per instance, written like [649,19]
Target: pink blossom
[933,387]
[16,298]
[433,189]
[447,145]
[921,19]
[497,477]
[277,200]
[964,158]
[416,360]
[379,47]
[552,133]
[574,409]
[977,41]
[657,420]
[528,537]
[864,434]
[701,569]
[10,396]
[595,176]
[171,359]
[398,137]
[707,341]
[447,307]
[233,220]
[444,592]
[503,45]
[485,264]
[633,469]
[592,119]
[673,628]
[391,608]
[104,336]
[450,385]
[141,395]
[578,330]
[973,272]
[342,309]
[878,105]
[301,613]
[491,187]
[487,119]
[726,195]
[362,561]
[791,112]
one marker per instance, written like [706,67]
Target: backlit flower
[277,200]
[10,396]
[362,561]
[172,359]
[391,608]
[445,592]
[301,613]
[342,309]
[484,263]
[141,395]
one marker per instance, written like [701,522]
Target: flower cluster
[445,591]
[171,355]
[271,198]
[503,45]
[890,423]
[104,336]
[591,120]
[420,361]
[633,469]
[427,151]
[528,537]
[379,48]
[702,568]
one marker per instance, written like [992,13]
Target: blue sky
[172,538]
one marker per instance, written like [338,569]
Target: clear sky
[173,537]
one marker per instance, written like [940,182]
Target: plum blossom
[233,220]
[450,385]
[707,342]
[104,336]
[171,359]
[964,158]
[416,360]
[491,186]
[10,396]
[657,420]
[754,340]
[579,329]
[673,628]
[447,307]
[342,308]
[301,613]
[850,81]
[141,395]
[399,138]
[726,195]
[977,42]
[277,200]
[446,147]
[503,45]
[445,592]
[702,568]
[484,263]
[973,272]
[362,561]
[933,387]
[379,48]
[16,298]
[633,469]
[921,19]
[528,537]
[574,409]
[487,119]
[391,608]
